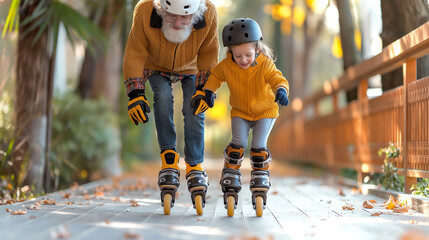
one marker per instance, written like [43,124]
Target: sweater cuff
[134,84]
[201,78]
[284,89]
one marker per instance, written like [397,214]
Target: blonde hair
[262,47]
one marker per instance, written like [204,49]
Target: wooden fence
[350,136]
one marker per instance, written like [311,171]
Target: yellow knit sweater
[252,90]
[148,48]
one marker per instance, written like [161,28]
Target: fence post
[409,69]
[362,97]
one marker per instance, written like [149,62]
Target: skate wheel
[167,203]
[230,206]
[259,206]
[199,204]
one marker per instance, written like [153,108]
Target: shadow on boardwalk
[299,207]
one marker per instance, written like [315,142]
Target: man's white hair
[196,16]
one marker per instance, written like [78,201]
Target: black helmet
[241,30]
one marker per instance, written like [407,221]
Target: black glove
[209,98]
[138,107]
[281,97]
[198,101]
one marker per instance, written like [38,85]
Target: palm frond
[12,17]
[48,17]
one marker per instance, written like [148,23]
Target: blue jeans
[261,130]
[163,108]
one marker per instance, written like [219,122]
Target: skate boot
[260,178]
[231,177]
[169,179]
[197,186]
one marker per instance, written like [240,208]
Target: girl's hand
[281,97]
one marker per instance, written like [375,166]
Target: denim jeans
[163,109]
[261,130]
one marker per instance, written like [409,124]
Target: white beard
[176,36]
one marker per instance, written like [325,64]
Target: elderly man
[172,41]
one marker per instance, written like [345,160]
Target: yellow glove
[198,102]
[138,107]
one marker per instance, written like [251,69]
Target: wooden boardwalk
[298,207]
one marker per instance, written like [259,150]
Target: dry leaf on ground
[376,214]
[368,204]
[401,210]
[134,203]
[18,212]
[348,207]
[128,235]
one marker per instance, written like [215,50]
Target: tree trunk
[351,55]
[399,18]
[32,101]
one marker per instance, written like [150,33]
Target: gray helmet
[241,30]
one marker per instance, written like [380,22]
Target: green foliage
[421,188]
[49,17]
[83,135]
[11,175]
[389,179]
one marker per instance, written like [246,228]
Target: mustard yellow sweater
[147,48]
[252,90]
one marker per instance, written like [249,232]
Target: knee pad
[234,154]
[170,159]
[260,158]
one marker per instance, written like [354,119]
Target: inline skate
[197,181]
[169,179]
[260,178]
[231,177]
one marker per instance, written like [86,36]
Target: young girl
[255,86]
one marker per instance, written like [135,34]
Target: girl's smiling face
[244,54]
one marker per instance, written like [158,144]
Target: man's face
[178,21]
[177,28]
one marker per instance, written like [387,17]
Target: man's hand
[198,102]
[138,107]
[281,97]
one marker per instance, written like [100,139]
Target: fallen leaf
[128,235]
[35,206]
[99,194]
[376,214]
[47,201]
[348,207]
[341,193]
[400,210]
[134,203]
[390,203]
[18,212]
[368,204]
